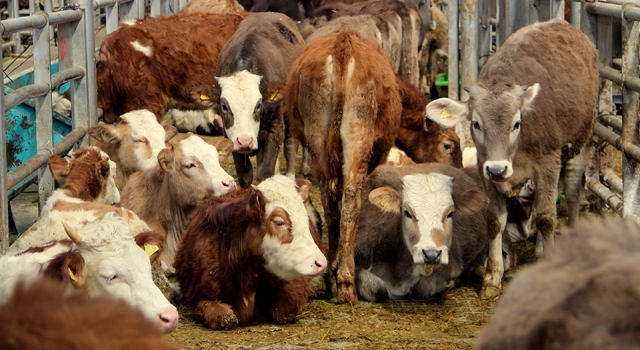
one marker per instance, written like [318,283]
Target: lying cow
[141,67]
[89,189]
[419,228]
[105,259]
[166,195]
[532,110]
[133,144]
[43,316]
[329,104]
[251,71]
[244,258]
[582,294]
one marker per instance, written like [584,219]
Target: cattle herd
[405,216]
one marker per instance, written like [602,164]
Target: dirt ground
[450,321]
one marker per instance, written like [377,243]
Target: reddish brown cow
[245,255]
[43,316]
[344,104]
[150,65]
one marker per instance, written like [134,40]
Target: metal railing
[469,21]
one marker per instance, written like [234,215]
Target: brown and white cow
[582,294]
[245,257]
[89,189]
[532,109]
[133,144]
[104,259]
[345,105]
[212,6]
[148,64]
[252,69]
[420,227]
[166,195]
[43,316]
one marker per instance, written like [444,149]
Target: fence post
[469,39]
[4,195]
[90,76]
[44,123]
[452,30]
[14,12]
[630,100]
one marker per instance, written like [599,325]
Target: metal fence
[480,26]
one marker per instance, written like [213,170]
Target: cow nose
[169,320]
[321,264]
[431,256]
[496,172]
[245,142]
[229,185]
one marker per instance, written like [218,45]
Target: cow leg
[306,163]
[332,218]
[290,152]
[244,169]
[497,221]
[574,181]
[270,149]
[216,315]
[370,286]
[544,205]
[289,301]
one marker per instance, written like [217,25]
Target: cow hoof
[228,321]
[489,292]
[347,293]
[285,319]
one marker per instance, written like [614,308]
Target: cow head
[89,175]
[107,260]
[428,205]
[495,112]
[288,247]
[240,99]
[193,168]
[135,142]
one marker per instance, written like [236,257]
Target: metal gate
[480,26]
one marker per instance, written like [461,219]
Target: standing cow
[531,111]
[420,227]
[252,69]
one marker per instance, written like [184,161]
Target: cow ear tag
[273,95]
[150,249]
[71,275]
[446,113]
[204,97]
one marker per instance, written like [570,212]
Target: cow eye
[111,278]
[279,223]
[516,126]
[259,104]
[450,215]
[476,125]
[408,214]
[224,107]
[189,166]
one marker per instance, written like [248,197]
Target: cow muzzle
[498,171]
[431,256]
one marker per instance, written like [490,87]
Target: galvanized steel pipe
[453,59]
[613,121]
[469,38]
[24,93]
[605,194]
[614,139]
[64,16]
[610,177]
[37,20]
[62,77]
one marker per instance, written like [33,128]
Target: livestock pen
[450,321]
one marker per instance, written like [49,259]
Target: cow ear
[165,159]
[529,95]
[386,199]
[224,147]
[103,169]
[304,188]
[274,93]
[202,95]
[152,243]
[471,201]
[447,112]
[105,133]
[218,124]
[67,267]
[59,166]
[170,131]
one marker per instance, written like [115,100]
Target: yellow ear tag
[71,275]
[204,97]
[150,249]
[273,95]
[219,153]
[446,113]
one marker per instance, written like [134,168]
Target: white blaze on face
[117,267]
[148,137]
[427,205]
[300,257]
[242,94]
[112,194]
[196,151]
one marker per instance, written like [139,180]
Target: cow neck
[392,256]
[173,217]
